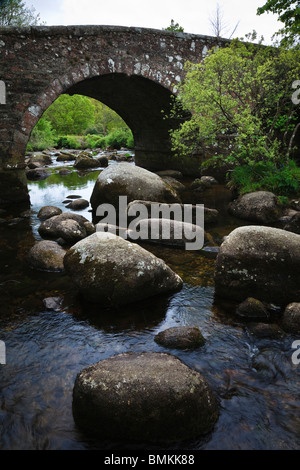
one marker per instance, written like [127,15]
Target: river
[254,379]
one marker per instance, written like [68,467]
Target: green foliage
[95,141]
[69,142]
[71,114]
[289,14]
[106,120]
[42,136]
[174,27]
[240,103]
[15,13]
[79,122]
[119,138]
[283,180]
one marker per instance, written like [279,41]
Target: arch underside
[142,104]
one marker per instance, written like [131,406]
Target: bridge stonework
[132,70]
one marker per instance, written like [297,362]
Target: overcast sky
[192,15]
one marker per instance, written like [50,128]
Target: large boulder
[259,206]
[108,269]
[132,181]
[46,255]
[143,397]
[68,226]
[260,262]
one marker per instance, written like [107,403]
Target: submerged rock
[180,337]
[108,269]
[259,206]
[265,330]
[260,262]
[151,397]
[252,309]
[46,255]
[37,174]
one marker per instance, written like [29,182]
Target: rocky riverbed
[52,333]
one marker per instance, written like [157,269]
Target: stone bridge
[134,71]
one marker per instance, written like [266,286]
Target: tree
[15,13]
[106,120]
[71,114]
[289,15]
[174,27]
[219,27]
[240,103]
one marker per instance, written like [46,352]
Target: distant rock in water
[110,270]
[47,212]
[152,397]
[78,204]
[85,162]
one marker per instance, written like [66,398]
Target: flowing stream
[255,381]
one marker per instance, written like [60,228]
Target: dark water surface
[254,379]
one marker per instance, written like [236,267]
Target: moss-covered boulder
[110,270]
[260,262]
[132,181]
[143,397]
[259,206]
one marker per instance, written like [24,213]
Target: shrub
[282,180]
[95,141]
[68,141]
[42,136]
[118,138]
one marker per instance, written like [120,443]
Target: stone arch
[142,101]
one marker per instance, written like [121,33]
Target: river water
[254,379]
